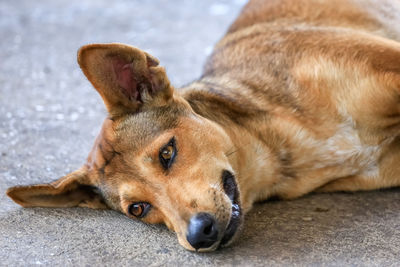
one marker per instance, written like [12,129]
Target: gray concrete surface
[49,115]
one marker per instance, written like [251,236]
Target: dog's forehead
[136,130]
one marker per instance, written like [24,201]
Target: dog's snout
[202,230]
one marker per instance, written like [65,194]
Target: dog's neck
[256,161]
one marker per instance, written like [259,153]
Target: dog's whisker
[230,153]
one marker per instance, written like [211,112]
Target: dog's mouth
[232,191]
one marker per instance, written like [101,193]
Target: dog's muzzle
[203,228]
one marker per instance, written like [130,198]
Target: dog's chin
[232,191]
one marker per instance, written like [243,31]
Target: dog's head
[154,160]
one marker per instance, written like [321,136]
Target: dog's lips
[231,190]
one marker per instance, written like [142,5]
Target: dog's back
[375,16]
[263,24]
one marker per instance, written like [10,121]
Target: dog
[298,96]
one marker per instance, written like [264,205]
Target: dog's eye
[167,154]
[139,209]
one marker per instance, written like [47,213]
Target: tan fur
[299,95]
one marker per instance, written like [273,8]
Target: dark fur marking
[274,96]
[107,155]
[223,109]
[281,151]
[285,159]
[101,170]
[193,203]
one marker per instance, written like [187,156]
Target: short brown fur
[298,96]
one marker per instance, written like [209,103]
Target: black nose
[202,231]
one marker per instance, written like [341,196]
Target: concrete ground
[49,116]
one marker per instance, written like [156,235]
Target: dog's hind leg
[358,183]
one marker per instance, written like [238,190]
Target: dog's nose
[202,231]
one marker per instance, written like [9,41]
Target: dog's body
[298,96]
[313,91]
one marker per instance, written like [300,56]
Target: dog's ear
[127,78]
[71,190]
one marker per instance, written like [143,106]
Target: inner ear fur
[71,190]
[125,77]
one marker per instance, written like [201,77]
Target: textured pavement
[49,116]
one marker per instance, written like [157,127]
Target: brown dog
[300,95]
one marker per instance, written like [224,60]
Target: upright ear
[71,190]
[126,77]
